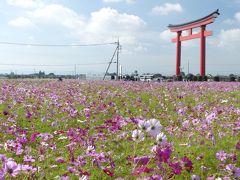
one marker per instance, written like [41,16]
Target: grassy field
[119,130]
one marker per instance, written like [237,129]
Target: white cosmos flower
[63,137]
[154,128]
[137,135]
[143,125]
[161,138]
[90,149]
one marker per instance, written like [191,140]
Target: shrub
[194,78]
[205,78]
[232,79]
[216,78]
[190,77]
[199,78]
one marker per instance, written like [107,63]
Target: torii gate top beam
[194,24]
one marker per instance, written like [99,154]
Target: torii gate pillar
[202,51]
[178,54]
[200,23]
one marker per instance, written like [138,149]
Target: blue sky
[141,26]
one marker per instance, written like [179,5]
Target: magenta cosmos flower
[238,145]
[144,160]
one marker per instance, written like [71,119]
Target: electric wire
[54,45]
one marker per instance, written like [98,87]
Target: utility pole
[118,48]
[75,71]
[188,66]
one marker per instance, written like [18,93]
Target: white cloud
[101,26]
[117,1]
[167,8]
[26,3]
[111,1]
[227,39]
[21,22]
[55,13]
[167,35]
[237,16]
[236,19]
[107,22]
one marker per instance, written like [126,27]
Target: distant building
[151,77]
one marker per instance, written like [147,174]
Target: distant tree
[157,75]
[199,78]
[232,78]
[216,78]
[189,77]
[11,75]
[204,78]
[195,78]
[41,74]
[51,75]
[182,74]
[177,78]
[238,79]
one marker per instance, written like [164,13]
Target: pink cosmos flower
[195,177]
[141,170]
[65,178]
[27,168]
[156,177]
[71,169]
[236,173]
[29,159]
[81,161]
[221,155]
[101,157]
[144,160]
[3,158]
[60,160]
[12,168]
[186,124]
[2,174]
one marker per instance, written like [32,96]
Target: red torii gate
[202,23]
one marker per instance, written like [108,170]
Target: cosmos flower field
[119,130]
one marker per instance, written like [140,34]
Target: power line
[49,65]
[54,45]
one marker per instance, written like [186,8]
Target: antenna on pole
[118,49]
